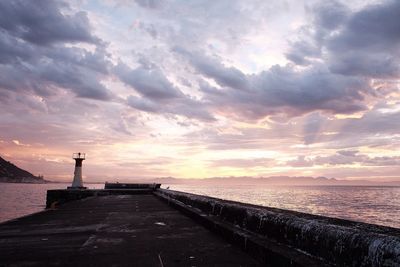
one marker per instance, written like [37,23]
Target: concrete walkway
[118,230]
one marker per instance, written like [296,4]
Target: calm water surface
[378,205]
[18,200]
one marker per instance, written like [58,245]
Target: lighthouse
[77,182]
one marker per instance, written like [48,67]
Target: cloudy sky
[201,88]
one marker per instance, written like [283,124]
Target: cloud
[301,161]
[329,15]
[373,28]
[42,22]
[12,50]
[345,157]
[158,94]
[34,57]
[212,67]
[302,52]
[150,82]
[231,137]
[312,127]
[49,71]
[143,104]
[337,80]
[152,4]
[78,74]
[281,90]
[18,143]
[243,163]
[326,18]
[184,106]
[373,122]
[379,65]
[361,43]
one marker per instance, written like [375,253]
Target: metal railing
[79,155]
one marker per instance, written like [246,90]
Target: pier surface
[115,230]
[149,226]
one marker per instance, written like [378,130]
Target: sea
[370,204]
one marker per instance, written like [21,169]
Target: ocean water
[18,200]
[370,204]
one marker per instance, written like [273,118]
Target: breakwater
[335,241]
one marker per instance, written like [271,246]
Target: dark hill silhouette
[9,173]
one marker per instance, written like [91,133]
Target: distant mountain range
[272,180]
[9,173]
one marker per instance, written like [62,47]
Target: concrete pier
[115,230]
[148,226]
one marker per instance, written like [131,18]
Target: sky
[197,89]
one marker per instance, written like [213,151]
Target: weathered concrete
[114,230]
[60,196]
[265,232]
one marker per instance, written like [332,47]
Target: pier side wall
[338,242]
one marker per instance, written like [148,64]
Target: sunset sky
[200,88]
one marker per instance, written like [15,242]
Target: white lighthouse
[77,183]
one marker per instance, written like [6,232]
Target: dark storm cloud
[369,43]
[148,81]
[313,89]
[363,43]
[13,50]
[380,64]
[327,17]
[374,28]
[302,51]
[34,57]
[157,94]
[44,73]
[82,82]
[42,22]
[280,90]
[224,76]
